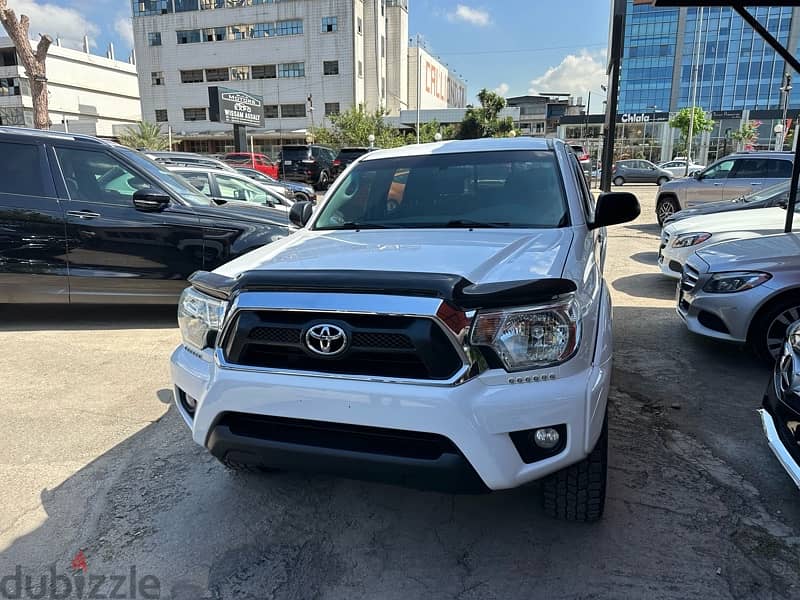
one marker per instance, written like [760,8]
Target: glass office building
[736,69]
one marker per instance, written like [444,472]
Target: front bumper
[476,417]
[724,317]
[781,422]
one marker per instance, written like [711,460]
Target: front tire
[578,493]
[768,330]
[665,208]
[324,181]
[619,181]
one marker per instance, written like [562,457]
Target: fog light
[546,438]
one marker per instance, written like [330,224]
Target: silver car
[639,171]
[744,291]
[728,178]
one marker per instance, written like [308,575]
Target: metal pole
[419,83]
[169,136]
[696,70]
[786,89]
[614,61]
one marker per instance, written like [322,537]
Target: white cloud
[124,27]
[502,89]
[575,74]
[474,16]
[67,23]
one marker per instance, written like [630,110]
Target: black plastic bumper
[345,451]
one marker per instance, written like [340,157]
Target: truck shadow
[646,285]
[160,503]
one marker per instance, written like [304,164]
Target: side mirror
[614,208]
[300,213]
[697,175]
[150,200]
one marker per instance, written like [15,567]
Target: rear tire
[619,181]
[578,493]
[662,180]
[665,208]
[768,329]
[324,181]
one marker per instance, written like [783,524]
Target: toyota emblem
[326,340]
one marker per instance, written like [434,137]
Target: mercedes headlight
[530,337]
[728,283]
[690,239]
[200,318]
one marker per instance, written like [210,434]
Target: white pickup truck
[440,321]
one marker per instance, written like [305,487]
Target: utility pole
[419,82]
[696,73]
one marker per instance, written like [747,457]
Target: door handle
[756,183]
[83,214]
[717,184]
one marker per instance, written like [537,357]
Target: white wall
[440,87]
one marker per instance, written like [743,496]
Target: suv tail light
[337,162]
[584,157]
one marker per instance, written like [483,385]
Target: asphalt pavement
[100,479]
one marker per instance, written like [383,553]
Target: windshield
[519,188]
[168,179]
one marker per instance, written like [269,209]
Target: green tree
[746,135]
[681,122]
[428,131]
[484,121]
[145,135]
[354,126]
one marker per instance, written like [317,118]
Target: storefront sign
[235,108]
[726,114]
[643,117]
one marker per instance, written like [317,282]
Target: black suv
[308,163]
[85,220]
[345,157]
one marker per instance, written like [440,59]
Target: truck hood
[737,220]
[480,255]
[765,253]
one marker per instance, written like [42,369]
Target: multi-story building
[434,83]
[738,76]
[308,59]
[540,115]
[87,94]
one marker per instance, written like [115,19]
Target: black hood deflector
[455,289]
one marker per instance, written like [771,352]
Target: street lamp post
[785,88]
[371,139]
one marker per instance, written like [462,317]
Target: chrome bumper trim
[776,445]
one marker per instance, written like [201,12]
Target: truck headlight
[200,318]
[738,281]
[530,337]
[690,239]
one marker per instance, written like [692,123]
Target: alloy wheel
[776,332]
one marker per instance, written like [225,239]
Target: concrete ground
[94,459]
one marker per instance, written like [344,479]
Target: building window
[215,34]
[359,26]
[193,76]
[10,87]
[330,67]
[161,115]
[293,110]
[194,114]
[293,27]
[8,57]
[331,108]
[262,30]
[242,32]
[383,46]
[360,69]
[154,38]
[188,36]
[240,73]
[151,7]
[270,111]
[220,74]
[186,5]
[329,24]
[264,72]
[297,69]
[157,77]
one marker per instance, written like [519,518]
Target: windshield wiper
[473,224]
[354,225]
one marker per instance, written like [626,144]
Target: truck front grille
[378,345]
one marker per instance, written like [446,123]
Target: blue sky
[514,46]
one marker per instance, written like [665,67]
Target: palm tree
[145,135]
